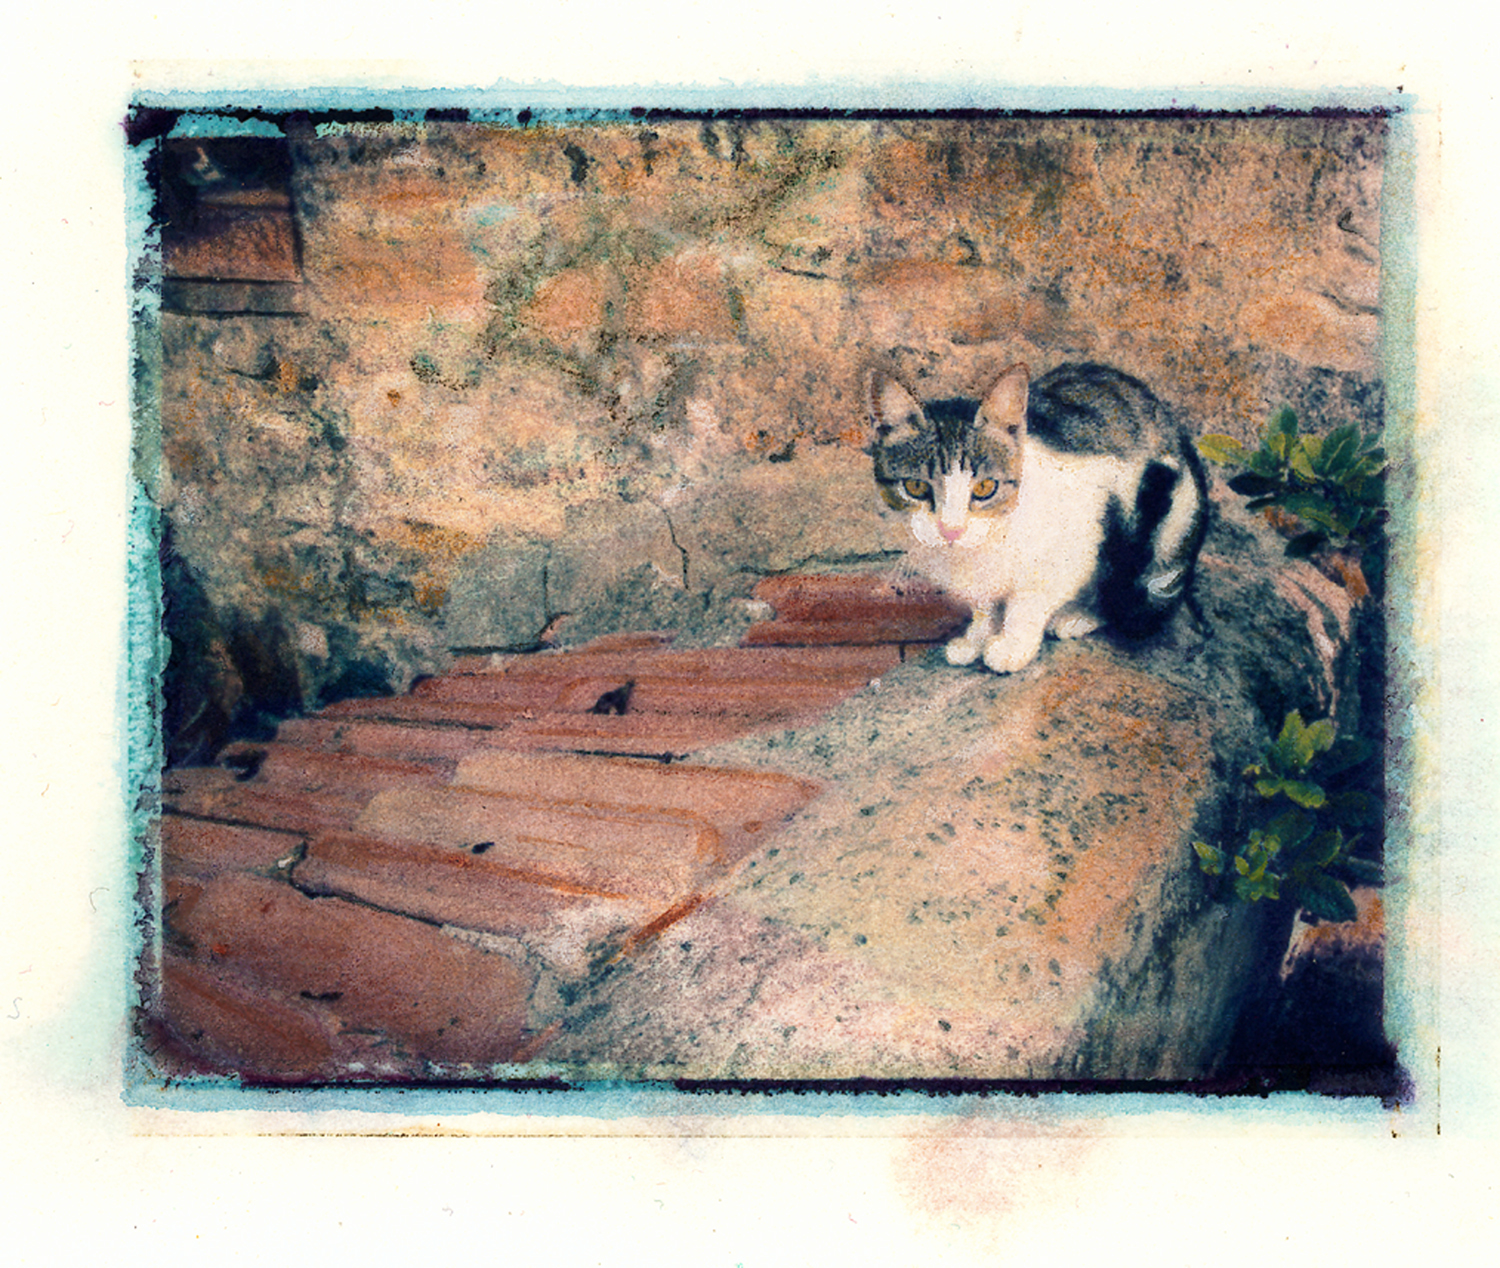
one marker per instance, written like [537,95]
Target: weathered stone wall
[546,381]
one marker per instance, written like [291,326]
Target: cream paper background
[1059,1179]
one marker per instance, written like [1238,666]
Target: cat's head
[954,466]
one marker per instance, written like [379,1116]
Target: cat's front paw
[963,651]
[1006,656]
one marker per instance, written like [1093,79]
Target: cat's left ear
[895,414]
[1004,406]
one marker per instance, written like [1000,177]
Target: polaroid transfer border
[437,396]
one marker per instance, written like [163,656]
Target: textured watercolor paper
[941,1199]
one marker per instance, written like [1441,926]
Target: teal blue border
[245,113]
[500,101]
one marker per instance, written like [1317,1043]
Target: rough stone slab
[520,692]
[755,699]
[742,805]
[443,999]
[634,641]
[805,663]
[445,741]
[833,609]
[999,883]
[760,696]
[630,641]
[615,853]
[448,885]
[847,667]
[198,846]
[294,789]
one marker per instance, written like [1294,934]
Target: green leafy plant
[1303,850]
[1334,485]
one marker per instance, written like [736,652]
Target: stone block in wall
[576,302]
[814,507]
[497,598]
[687,296]
[618,566]
[1313,329]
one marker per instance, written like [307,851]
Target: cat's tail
[1149,553]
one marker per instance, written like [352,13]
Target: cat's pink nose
[950,534]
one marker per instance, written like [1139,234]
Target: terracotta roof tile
[446,1000]
[202,846]
[650,854]
[243,1028]
[501,798]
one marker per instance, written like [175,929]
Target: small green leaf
[1291,828]
[1252,889]
[1284,754]
[1361,871]
[1269,787]
[1369,487]
[1339,450]
[1283,423]
[1291,726]
[1321,513]
[1263,463]
[1304,793]
[1325,847]
[1225,450]
[1301,463]
[1210,859]
[1345,754]
[1327,898]
[1318,738]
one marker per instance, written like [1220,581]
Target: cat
[1072,502]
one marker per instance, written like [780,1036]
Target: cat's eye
[985,489]
[917,490]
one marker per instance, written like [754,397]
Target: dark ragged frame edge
[1410,994]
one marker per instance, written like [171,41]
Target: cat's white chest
[1047,546]
[985,572]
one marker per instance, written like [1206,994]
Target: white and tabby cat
[1072,502]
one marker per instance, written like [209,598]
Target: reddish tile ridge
[853,609]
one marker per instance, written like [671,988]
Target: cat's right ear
[895,414]
[1004,407]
